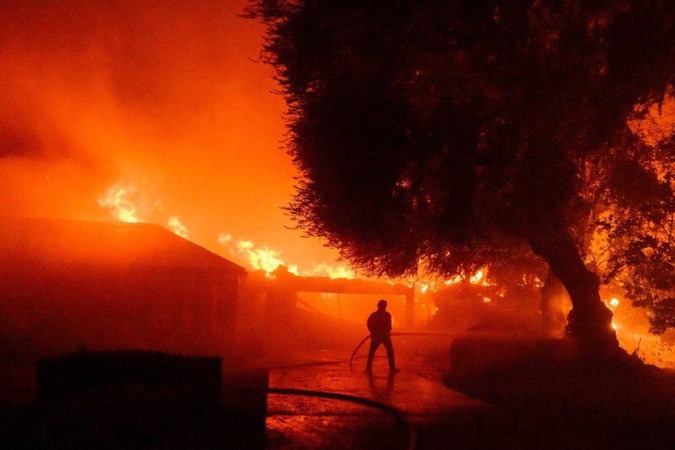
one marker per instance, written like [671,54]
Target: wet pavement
[413,409]
[407,409]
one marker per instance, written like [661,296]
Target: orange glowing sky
[165,96]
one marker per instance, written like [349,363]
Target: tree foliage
[437,133]
[639,229]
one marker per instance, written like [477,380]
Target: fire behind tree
[432,134]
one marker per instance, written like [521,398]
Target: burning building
[72,285]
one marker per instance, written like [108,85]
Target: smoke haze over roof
[165,96]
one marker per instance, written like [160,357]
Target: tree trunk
[590,321]
[554,299]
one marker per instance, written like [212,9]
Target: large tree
[637,233]
[427,129]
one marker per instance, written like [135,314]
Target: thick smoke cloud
[165,95]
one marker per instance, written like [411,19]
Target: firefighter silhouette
[379,325]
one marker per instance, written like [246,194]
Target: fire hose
[410,431]
[363,341]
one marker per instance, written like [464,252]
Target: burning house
[72,285]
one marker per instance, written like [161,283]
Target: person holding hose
[379,326]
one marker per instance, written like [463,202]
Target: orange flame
[177,227]
[119,200]
[476,277]
[116,200]
[260,258]
[269,260]
[325,270]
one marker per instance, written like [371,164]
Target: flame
[120,198]
[612,303]
[116,199]
[260,258]
[330,271]
[269,260]
[476,277]
[454,280]
[177,227]
[263,258]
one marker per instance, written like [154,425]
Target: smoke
[167,96]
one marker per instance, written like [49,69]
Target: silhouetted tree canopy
[638,229]
[434,133]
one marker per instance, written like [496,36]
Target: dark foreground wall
[139,400]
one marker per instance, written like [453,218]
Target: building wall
[48,311]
